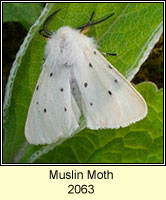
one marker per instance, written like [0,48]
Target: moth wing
[108,99]
[53,112]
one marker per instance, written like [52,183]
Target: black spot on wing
[115,80]
[94,52]
[61,89]
[51,74]
[90,65]
[109,92]
[65,109]
[37,87]
[45,110]
[85,84]
[110,66]
[91,103]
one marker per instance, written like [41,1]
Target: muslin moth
[76,80]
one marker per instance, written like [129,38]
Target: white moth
[76,79]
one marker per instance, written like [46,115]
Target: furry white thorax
[66,46]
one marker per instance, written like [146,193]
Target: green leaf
[131,34]
[25,13]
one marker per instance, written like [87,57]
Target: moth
[77,80]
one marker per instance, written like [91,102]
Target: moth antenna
[90,23]
[41,32]
[92,15]
[44,32]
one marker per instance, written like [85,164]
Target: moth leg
[108,54]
